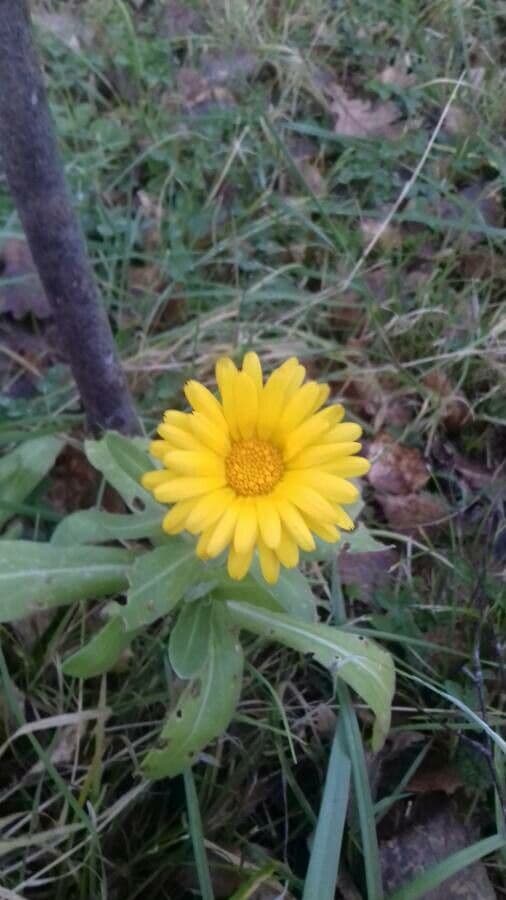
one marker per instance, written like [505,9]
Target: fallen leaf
[358,118]
[477,204]
[395,468]
[444,779]
[180,20]
[367,570]
[397,75]
[410,513]
[74,482]
[390,236]
[421,846]
[228,69]
[69,29]
[454,410]
[21,292]
[197,95]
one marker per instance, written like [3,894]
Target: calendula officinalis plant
[254,477]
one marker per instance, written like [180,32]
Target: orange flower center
[253,467]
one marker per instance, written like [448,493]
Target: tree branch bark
[36,179]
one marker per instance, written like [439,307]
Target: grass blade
[322,873]
[197,836]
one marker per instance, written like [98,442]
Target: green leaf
[363,664]
[207,704]
[122,462]
[290,594]
[158,580]
[189,639]
[101,653]
[92,526]
[358,541]
[38,576]
[23,469]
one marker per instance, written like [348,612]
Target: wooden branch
[36,180]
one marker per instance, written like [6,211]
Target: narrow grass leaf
[321,879]
[364,665]
[39,576]
[205,707]
[197,836]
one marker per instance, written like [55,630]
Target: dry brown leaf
[228,69]
[444,779]
[198,95]
[397,75]
[475,203]
[420,846]
[389,237]
[367,570]
[395,468]
[21,292]
[180,20]
[358,118]
[455,411]
[74,482]
[411,513]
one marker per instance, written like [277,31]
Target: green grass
[242,245]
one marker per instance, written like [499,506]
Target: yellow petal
[208,509]
[202,544]
[337,489]
[176,418]
[158,449]
[274,396]
[238,563]
[308,433]
[348,431]
[178,437]
[223,530]
[246,405]
[287,550]
[308,500]
[334,413]
[328,533]
[269,522]
[175,520]
[151,480]
[351,467]
[269,563]
[252,366]
[204,402]
[324,455]
[298,408]
[184,488]
[247,526]
[194,462]
[343,519]
[209,434]
[295,524]
[226,374]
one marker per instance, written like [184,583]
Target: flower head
[265,466]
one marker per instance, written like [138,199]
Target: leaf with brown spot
[395,468]
[21,292]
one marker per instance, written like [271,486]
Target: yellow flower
[263,467]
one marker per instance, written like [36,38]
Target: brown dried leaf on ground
[74,482]
[353,117]
[395,468]
[445,779]
[397,75]
[229,69]
[388,237]
[180,20]
[475,204]
[454,408]
[421,846]
[197,95]
[21,292]
[412,513]
[368,571]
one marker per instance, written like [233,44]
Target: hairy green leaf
[189,639]
[158,580]
[92,526]
[122,462]
[207,704]
[23,469]
[362,663]
[101,653]
[37,576]
[291,593]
